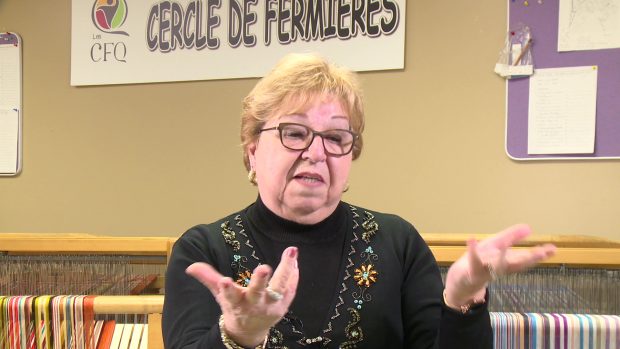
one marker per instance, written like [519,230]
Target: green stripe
[119,16]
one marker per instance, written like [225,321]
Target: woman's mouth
[309,178]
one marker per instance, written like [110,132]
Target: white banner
[138,41]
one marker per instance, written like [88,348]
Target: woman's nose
[316,150]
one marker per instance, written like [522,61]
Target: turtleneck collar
[279,229]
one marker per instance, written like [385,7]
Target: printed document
[562,111]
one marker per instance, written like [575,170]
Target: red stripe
[101,20]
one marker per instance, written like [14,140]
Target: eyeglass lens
[299,137]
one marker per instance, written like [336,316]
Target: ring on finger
[274,295]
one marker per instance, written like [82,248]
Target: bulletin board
[10,104]
[543,17]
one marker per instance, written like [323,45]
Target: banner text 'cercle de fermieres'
[172,26]
[138,41]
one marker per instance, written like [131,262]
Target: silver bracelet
[229,343]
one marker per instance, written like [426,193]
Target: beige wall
[155,159]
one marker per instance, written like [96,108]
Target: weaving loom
[110,270]
[571,301]
[28,322]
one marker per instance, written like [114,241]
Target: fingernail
[292,252]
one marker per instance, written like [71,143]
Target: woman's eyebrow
[305,116]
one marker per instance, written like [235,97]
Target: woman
[345,276]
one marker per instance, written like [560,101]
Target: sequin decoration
[352,331]
[230,236]
[370,227]
[243,273]
[243,278]
[275,340]
[365,275]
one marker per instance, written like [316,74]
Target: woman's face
[304,186]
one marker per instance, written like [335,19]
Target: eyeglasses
[336,142]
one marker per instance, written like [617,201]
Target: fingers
[480,271]
[230,292]
[258,283]
[475,262]
[220,286]
[549,250]
[496,254]
[519,260]
[206,275]
[286,275]
[284,281]
[291,286]
[509,236]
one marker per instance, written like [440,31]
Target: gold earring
[252,176]
[346,188]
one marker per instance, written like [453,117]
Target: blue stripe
[581,337]
[591,329]
[533,332]
[502,318]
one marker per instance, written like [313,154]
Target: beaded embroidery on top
[352,331]
[275,339]
[363,277]
[230,236]
[243,273]
[370,227]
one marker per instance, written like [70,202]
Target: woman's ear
[251,150]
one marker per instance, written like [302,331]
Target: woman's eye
[295,134]
[334,138]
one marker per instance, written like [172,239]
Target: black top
[320,250]
[367,280]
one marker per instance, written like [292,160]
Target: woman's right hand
[249,312]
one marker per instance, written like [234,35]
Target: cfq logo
[109,15]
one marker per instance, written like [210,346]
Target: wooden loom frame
[575,251]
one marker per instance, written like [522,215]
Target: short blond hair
[296,82]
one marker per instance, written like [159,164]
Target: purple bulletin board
[542,18]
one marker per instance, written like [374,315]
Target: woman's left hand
[249,312]
[468,277]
